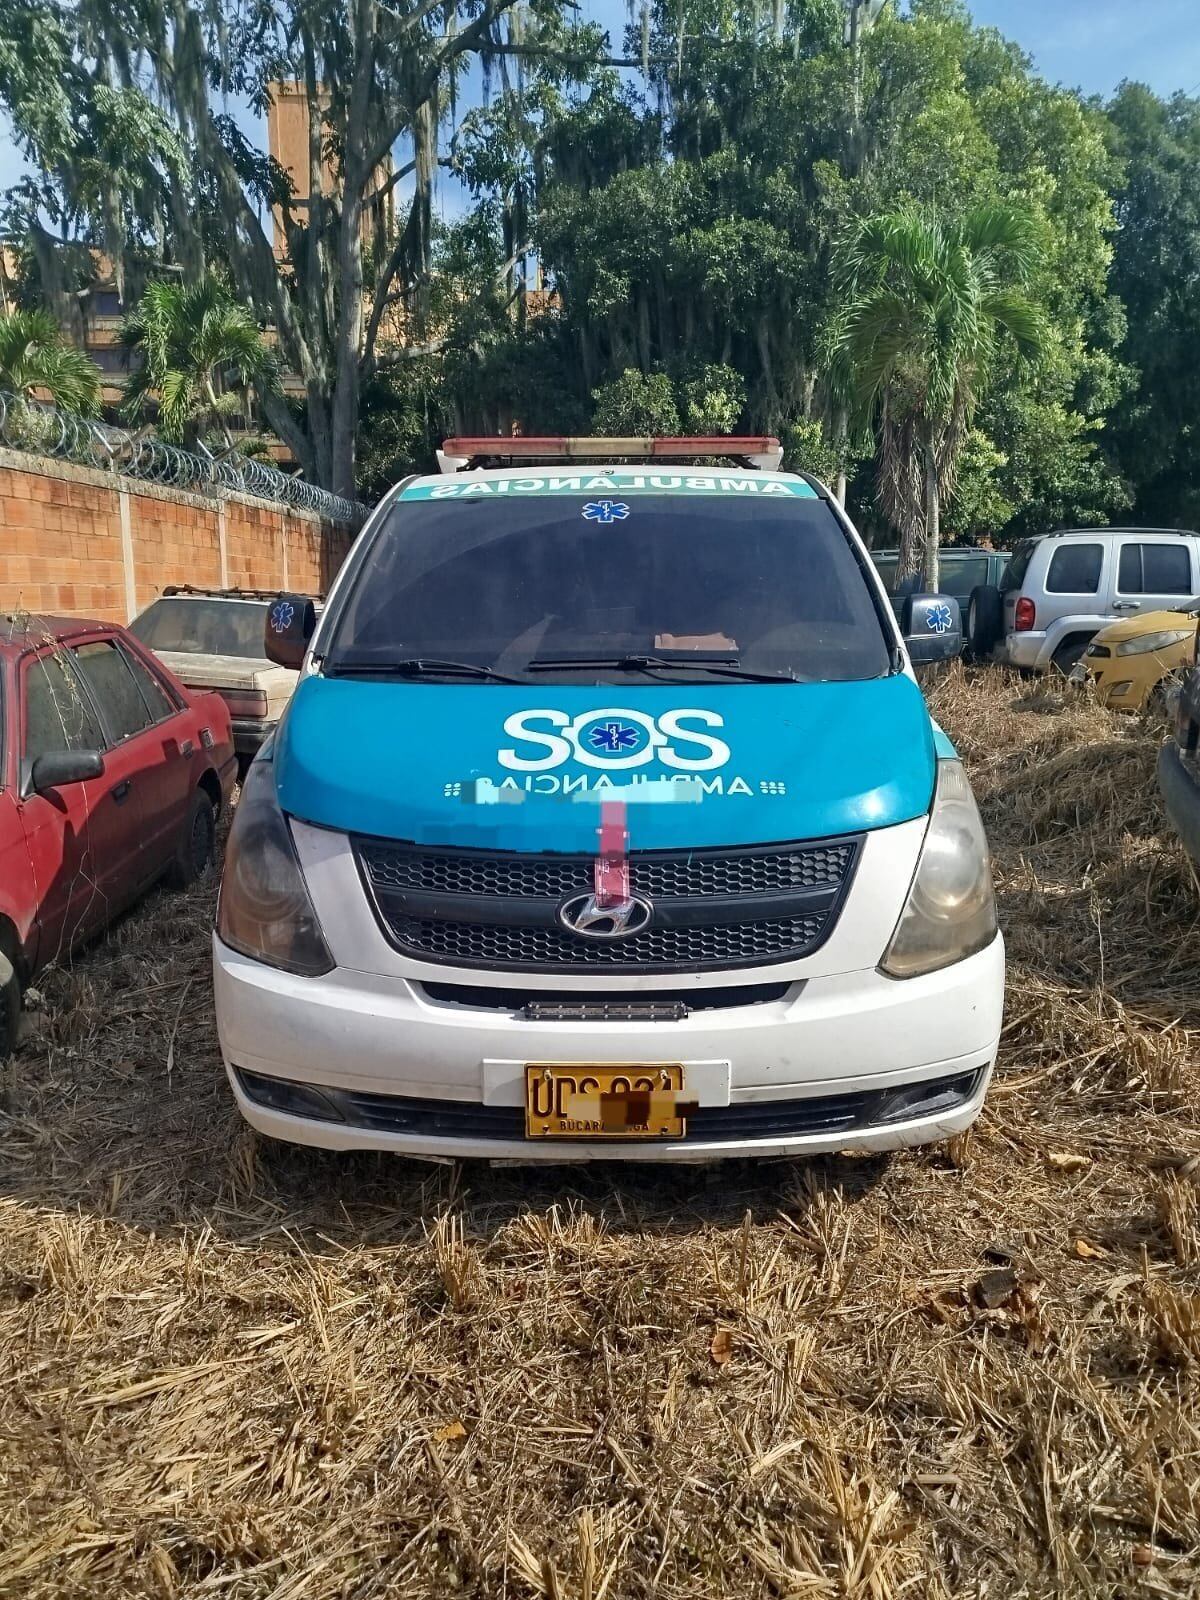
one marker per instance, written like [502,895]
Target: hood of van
[526,767]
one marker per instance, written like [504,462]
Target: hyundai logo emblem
[582,915]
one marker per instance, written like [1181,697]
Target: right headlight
[1163,640]
[950,912]
[264,910]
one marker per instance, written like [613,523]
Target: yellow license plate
[574,1101]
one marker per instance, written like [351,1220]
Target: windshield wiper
[418,667]
[723,666]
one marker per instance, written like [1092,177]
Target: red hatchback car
[111,774]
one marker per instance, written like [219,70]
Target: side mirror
[932,627]
[57,768]
[291,620]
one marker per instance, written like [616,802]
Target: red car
[111,774]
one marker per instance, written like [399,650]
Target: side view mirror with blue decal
[932,627]
[291,620]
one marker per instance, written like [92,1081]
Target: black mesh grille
[391,866]
[472,944]
[709,908]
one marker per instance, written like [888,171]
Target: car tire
[985,618]
[10,1006]
[197,846]
[1069,654]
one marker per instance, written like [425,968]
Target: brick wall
[88,544]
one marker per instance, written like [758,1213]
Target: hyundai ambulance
[607,821]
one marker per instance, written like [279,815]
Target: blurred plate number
[573,1101]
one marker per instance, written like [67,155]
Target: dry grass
[970,1372]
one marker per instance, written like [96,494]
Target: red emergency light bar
[760,450]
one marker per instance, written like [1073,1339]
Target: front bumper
[1112,690]
[854,1034]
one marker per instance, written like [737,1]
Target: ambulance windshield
[567,588]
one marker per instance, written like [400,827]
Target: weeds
[233,1369]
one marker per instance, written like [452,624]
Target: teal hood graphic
[525,768]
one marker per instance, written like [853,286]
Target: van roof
[1108,533]
[586,470]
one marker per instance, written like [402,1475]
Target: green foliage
[36,361]
[711,397]
[929,305]
[197,355]
[808,448]
[1155,432]
[686,217]
[636,403]
[402,420]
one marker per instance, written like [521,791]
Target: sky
[1089,45]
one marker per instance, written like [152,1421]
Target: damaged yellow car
[1129,663]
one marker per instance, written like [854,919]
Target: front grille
[390,866]
[712,909]
[605,1005]
[764,1119]
[475,944]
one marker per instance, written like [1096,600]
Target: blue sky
[1093,44]
[1086,44]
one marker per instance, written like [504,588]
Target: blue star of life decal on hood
[606,511]
[613,737]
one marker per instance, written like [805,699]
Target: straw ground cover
[232,1372]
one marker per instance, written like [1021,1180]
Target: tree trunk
[933,509]
[839,439]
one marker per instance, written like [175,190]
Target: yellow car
[1129,660]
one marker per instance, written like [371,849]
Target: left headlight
[1154,641]
[950,912]
[264,910]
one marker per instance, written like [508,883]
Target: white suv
[1060,589]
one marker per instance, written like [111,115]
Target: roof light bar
[759,450]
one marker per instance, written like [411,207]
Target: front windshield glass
[204,627]
[771,585]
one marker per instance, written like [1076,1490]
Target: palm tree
[202,356]
[37,360]
[927,304]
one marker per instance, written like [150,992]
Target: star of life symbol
[613,737]
[606,511]
[939,618]
[281,616]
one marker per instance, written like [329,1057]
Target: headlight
[950,912]
[1154,641]
[264,910]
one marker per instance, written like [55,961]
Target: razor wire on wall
[46,431]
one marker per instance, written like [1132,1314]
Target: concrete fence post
[222,546]
[283,535]
[127,571]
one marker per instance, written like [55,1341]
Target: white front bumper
[833,1034]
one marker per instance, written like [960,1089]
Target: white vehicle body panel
[370,1027]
